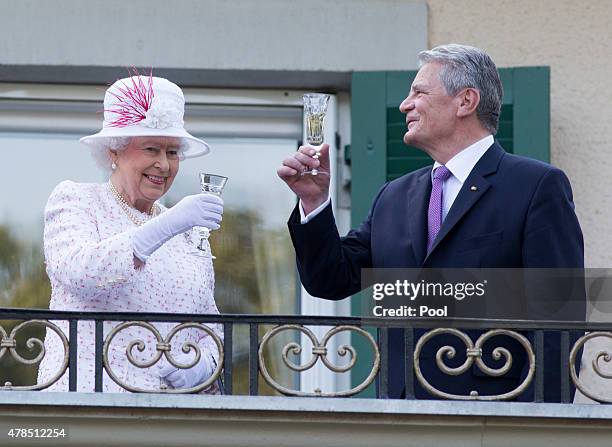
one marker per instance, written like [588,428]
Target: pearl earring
[114,166]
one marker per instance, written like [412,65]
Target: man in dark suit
[478,206]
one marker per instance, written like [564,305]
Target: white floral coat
[89,258]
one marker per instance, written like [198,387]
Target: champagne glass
[209,184]
[315,108]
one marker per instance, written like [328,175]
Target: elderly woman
[113,247]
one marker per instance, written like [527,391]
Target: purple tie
[434,214]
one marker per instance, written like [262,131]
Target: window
[250,132]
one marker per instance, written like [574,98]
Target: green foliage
[24,284]
[10,251]
[254,273]
[235,276]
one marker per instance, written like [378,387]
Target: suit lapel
[417,215]
[468,195]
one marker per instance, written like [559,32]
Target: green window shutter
[378,153]
[531,117]
[369,137]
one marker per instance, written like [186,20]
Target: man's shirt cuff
[307,218]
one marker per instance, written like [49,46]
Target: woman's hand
[179,378]
[199,210]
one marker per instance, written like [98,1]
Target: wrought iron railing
[375,332]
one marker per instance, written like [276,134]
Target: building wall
[574,39]
[214,34]
[571,37]
[158,420]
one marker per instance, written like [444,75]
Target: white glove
[179,378]
[199,210]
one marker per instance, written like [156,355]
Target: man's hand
[312,190]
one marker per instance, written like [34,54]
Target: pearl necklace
[128,210]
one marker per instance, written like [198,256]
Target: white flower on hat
[163,113]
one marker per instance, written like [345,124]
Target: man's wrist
[310,205]
[306,217]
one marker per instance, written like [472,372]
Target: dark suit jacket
[521,215]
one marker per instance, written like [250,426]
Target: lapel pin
[473,188]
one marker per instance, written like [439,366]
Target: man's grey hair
[101,152]
[469,67]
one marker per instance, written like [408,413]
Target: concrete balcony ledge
[176,420]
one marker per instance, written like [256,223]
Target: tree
[24,284]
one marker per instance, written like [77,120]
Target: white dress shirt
[460,167]
[306,218]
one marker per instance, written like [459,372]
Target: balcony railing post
[99,363]
[227,363]
[383,346]
[565,349]
[253,360]
[409,371]
[72,356]
[539,372]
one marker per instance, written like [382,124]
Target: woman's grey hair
[101,152]
[469,67]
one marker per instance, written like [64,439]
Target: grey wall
[339,35]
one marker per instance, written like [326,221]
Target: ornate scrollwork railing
[8,343]
[474,354]
[162,348]
[319,351]
[16,342]
[602,355]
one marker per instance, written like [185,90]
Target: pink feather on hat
[133,101]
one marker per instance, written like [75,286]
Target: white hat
[145,106]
